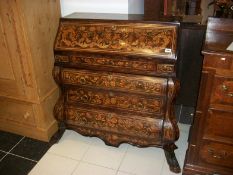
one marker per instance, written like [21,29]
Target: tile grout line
[81,160]
[75,168]
[16,145]
[58,155]
[11,148]
[22,157]
[98,165]
[122,159]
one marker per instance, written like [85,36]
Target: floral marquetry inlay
[148,128]
[115,100]
[117,79]
[114,63]
[155,86]
[149,39]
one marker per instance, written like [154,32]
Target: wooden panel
[16,112]
[153,9]
[5,62]
[147,39]
[215,121]
[11,75]
[40,28]
[116,81]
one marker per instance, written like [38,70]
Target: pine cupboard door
[15,74]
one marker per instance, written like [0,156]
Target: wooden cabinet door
[15,76]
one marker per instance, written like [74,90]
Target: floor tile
[72,145]
[8,140]
[2,154]
[184,127]
[12,165]
[143,161]
[89,169]
[31,148]
[123,173]
[54,165]
[103,155]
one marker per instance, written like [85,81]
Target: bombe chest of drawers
[117,80]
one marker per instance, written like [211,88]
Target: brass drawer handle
[217,156]
[225,88]
[113,27]
[110,77]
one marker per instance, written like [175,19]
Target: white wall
[95,6]
[102,6]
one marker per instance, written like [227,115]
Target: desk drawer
[217,154]
[17,112]
[116,81]
[115,100]
[113,122]
[139,65]
[219,125]
[218,62]
[222,92]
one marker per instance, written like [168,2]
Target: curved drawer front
[123,82]
[113,122]
[222,92]
[115,100]
[217,154]
[118,64]
[135,38]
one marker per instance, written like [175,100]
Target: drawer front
[217,154]
[118,64]
[123,82]
[17,112]
[112,122]
[134,38]
[218,62]
[219,125]
[222,92]
[115,100]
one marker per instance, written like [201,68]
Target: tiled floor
[18,154]
[78,155]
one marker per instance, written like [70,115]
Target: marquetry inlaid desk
[117,79]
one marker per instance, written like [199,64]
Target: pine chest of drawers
[117,80]
[210,148]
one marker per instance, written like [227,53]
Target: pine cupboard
[27,90]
